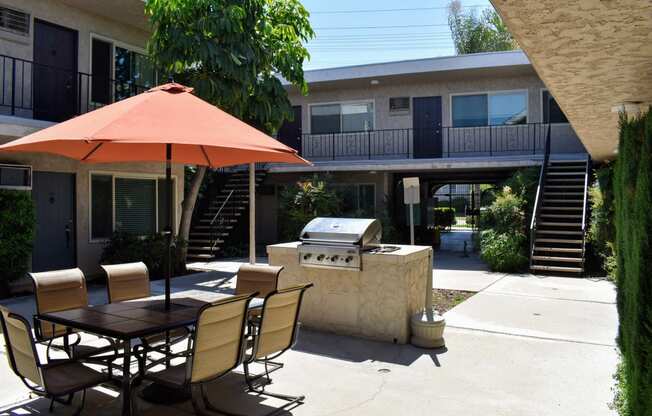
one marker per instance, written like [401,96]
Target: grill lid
[350,231]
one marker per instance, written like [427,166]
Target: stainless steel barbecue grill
[338,242]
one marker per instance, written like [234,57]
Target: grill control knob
[320,257]
[348,259]
[307,256]
[334,258]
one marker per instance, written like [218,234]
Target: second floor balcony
[43,92]
[440,142]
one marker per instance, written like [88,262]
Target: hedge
[633,220]
[17,229]
[444,217]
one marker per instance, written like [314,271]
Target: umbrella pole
[252,213]
[168,228]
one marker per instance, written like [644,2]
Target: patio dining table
[131,320]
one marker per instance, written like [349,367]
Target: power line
[391,10]
[378,27]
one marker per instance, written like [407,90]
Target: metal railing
[44,92]
[585,206]
[218,220]
[442,142]
[539,196]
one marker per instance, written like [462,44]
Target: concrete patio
[523,345]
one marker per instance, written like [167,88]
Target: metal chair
[129,281]
[275,333]
[53,380]
[218,344]
[60,290]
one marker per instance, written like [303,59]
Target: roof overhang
[511,63]
[129,12]
[594,56]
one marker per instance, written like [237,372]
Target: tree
[472,33]
[231,52]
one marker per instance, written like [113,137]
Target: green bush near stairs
[17,228]
[633,220]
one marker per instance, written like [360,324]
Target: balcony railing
[442,142]
[44,92]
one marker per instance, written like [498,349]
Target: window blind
[135,205]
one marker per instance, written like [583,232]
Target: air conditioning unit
[15,177]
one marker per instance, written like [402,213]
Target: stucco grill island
[361,287]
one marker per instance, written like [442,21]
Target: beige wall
[84,22]
[88,253]
[381,93]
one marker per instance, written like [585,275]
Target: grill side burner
[338,242]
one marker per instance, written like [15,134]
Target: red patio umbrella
[167,123]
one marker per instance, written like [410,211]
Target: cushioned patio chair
[56,291]
[275,333]
[218,344]
[53,380]
[129,281]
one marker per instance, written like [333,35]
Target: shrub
[506,214]
[601,233]
[503,252]
[632,184]
[17,228]
[444,217]
[150,249]
[304,201]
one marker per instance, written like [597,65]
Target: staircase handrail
[215,217]
[585,207]
[539,195]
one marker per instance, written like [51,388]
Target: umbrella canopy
[167,123]
[134,130]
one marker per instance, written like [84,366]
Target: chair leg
[291,400]
[210,406]
[270,367]
[51,408]
[81,406]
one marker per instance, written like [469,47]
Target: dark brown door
[290,132]
[55,72]
[101,71]
[426,120]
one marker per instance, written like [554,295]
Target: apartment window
[490,109]
[14,21]
[341,118]
[130,205]
[399,104]
[357,200]
[119,72]
[551,111]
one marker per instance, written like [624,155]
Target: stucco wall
[85,23]
[381,93]
[88,253]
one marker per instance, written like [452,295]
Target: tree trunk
[187,208]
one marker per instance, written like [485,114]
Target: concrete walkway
[523,345]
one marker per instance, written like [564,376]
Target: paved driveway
[524,345]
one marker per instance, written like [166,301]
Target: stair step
[561,224]
[562,193]
[204,234]
[211,215]
[562,180]
[557,240]
[200,256]
[559,232]
[558,249]
[553,208]
[562,201]
[202,248]
[564,186]
[569,216]
[192,241]
[556,268]
[559,259]
[209,220]
[577,173]
[212,227]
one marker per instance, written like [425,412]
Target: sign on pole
[411,196]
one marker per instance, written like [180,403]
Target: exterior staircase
[559,222]
[213,226]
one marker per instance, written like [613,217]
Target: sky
[367,31]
